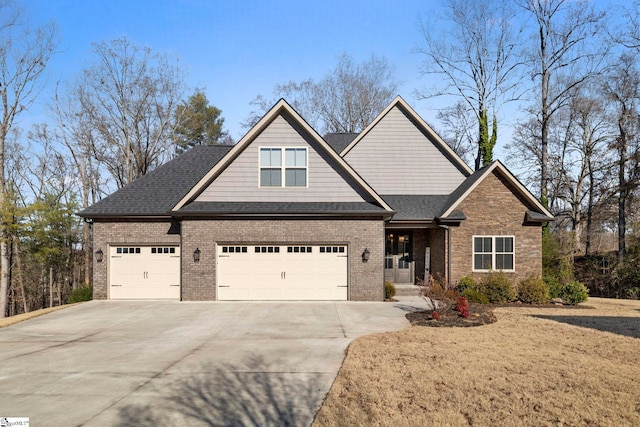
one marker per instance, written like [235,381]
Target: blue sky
[237,50]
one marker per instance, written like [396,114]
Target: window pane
[482,262]
[301,177]
[499,244]
[265,177]
[295,177]
[290,157]
[504,262]
[276,157]
[508,244]
[296,157]
[276,178]
[270,178]
[477,262]
[301,157]
[265,157]
[482,244]
[290,178]
[477,244]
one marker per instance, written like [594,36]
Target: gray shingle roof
[339,141]
[279,208]
[411,207]
[157,192]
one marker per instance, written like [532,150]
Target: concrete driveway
[153,363]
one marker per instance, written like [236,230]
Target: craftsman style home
[286,214]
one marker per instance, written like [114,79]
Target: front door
[399,256]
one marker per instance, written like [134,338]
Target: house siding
[106,233]
[396,157]
[240,180]
[492,208]
[365,279]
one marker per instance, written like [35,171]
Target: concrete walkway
[154,363]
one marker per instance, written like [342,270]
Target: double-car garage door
[244,272]
[282,272]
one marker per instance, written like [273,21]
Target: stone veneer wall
[107,233]
[365,279]
[494,209]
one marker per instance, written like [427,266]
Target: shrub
[571,293]
[533,290]
[554,286]
[462,307]
[466,282]
[389,290]
[83,293]
[557,258]
[474,295]
[438,293]
[497,287]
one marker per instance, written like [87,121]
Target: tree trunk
[50,286]
[587,242]
[16,248]
[622,218]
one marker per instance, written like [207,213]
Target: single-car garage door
[282,272]
[144,272]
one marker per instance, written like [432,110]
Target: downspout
[448,234]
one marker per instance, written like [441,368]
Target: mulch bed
[479,314]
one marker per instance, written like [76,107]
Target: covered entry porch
[412,253]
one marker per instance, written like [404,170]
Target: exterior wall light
[99,255]
[196,255]
[365,255]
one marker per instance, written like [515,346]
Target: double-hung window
[283,167]
[493,253]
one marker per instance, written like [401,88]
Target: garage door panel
[141,272]
[282,272]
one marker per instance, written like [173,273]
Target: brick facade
[365,279]
[493,208]
[106,233]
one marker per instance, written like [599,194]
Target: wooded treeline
[562,75]
[565,76]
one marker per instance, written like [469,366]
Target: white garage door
[284,272]
[143,272]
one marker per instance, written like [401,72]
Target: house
[286,214]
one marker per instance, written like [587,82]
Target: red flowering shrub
[462,307]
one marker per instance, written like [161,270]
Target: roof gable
[294,130]
[537,211]
[399,154]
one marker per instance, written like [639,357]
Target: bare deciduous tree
[128,98]
[347,99]
[622,89]
[457,125]
[478,61]
[565,56]
[24,55]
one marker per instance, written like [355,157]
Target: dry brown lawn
[533,367]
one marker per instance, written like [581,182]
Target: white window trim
[493,253]
[283,167]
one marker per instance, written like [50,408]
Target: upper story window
[283,167]
[493,253]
